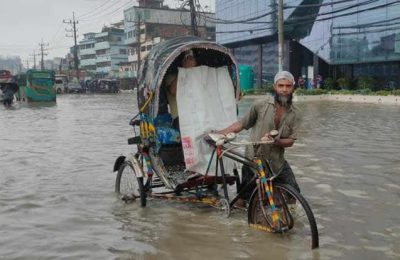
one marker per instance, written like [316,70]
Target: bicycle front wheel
[295,215]
[128,185]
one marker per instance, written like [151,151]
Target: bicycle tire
[128,185]
[300,222]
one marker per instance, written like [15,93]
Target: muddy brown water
[57,197]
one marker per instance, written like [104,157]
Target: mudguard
[131,158]
[136,165]
[120,160]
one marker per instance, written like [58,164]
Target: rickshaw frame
[163,57]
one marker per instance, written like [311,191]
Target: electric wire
[98,16]
[94,9]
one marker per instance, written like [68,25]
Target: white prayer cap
[284,75]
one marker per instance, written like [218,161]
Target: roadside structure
[338,39]
[151,22]
[110,50]
[115,52]
[87,53]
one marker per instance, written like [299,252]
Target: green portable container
[246,74]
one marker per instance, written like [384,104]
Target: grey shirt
[260,119]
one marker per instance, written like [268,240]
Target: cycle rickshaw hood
[167,56]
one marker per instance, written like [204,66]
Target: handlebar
[134,122]
[221,139]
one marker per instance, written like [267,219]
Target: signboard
[42,75]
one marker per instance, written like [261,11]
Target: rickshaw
[166,164]
[8,87]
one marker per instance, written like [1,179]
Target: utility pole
[73,24]
[280,35]
[27,63]
[34,59]
[60,66]
[42,53]
[193,22]
[138,39]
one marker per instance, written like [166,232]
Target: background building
[339,39]
[13,64]
[152,22]
[87,54]
[110,51]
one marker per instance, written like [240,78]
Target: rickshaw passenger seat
[163,120]
[166,134]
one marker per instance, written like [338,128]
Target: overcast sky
[24,23]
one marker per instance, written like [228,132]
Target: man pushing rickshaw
[189,87]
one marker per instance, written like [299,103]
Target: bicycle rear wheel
[128,185]
[296,217]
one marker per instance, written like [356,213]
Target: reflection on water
[57,199]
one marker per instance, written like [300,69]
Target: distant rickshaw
[103,86]
[8,87]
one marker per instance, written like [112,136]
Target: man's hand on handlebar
[220,139]
[271,136]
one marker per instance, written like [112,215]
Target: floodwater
[57,197]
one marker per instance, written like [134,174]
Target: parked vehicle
[104,86]
[109,85]
[74,86]
[61,84]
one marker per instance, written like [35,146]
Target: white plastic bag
[206,101]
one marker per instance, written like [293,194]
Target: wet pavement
[57,197]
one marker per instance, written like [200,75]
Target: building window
[104,64]
[122,51]
[101,52]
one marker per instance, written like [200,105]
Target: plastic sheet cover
[206,101]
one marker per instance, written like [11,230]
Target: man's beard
[284,100]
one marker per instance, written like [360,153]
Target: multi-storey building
[87,54]
[328,37]
[110,51]
[152,22]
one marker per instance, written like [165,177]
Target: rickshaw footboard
[207,181]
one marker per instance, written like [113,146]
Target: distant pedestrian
[301,82]
[319,81]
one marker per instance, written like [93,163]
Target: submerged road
[57,197]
